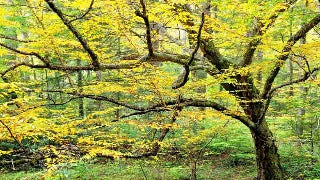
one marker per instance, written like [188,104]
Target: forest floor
[229,156]
[139,169]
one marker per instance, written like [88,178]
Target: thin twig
[145,175]
[84,14]
[15,39]
[13,137]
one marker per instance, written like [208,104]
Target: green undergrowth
[138,169]
[229,155]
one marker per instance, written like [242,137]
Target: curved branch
[270,94]
[84,14]
[21,64]
[218,107]
[182,79]
[305,77]
[207,45]
[43,59]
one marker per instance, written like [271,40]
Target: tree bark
[267,157]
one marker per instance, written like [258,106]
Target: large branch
[163,106]
[260,30]
[213,55]
[157,57]
[21,64]
[184,103]
[64,68]
[285,53]
[76,33]
[145,112]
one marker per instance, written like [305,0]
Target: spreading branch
[76,33]
[43,59]
[218,107]
[259,30]
[145,112]
[163,106]
[158,57]
[305,77]
[20,64]
[285,54]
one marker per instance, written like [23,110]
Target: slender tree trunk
[193,167]
[291,58]
[290,76]
[259,75]
[267,157]
[304,91]
[47,84]
[99,79]
[199,75]
[80,83]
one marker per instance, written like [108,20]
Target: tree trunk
[304,92]
[80,84]
[193,167]
[99,79]
[267,157]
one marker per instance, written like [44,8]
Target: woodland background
[159,89]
